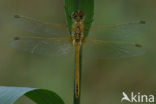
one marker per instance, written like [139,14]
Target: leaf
[8,95]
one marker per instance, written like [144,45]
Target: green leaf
[8,95]
[87,6]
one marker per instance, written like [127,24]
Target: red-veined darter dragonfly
[50,39]
[53,40]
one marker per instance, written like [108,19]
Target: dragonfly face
[78,16]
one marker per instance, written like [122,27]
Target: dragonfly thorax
[77,32]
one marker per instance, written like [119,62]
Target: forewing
[39,28]
[112,50]
[119,31]
[42,47]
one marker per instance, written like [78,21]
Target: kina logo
[138,97]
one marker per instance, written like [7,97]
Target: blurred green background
[103,81]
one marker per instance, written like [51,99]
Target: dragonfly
[50,39]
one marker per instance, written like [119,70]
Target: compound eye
[75,14]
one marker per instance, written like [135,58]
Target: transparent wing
[49,47]
[111,49]
[35,26]
[119,31]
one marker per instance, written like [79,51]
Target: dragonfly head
[78,16]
